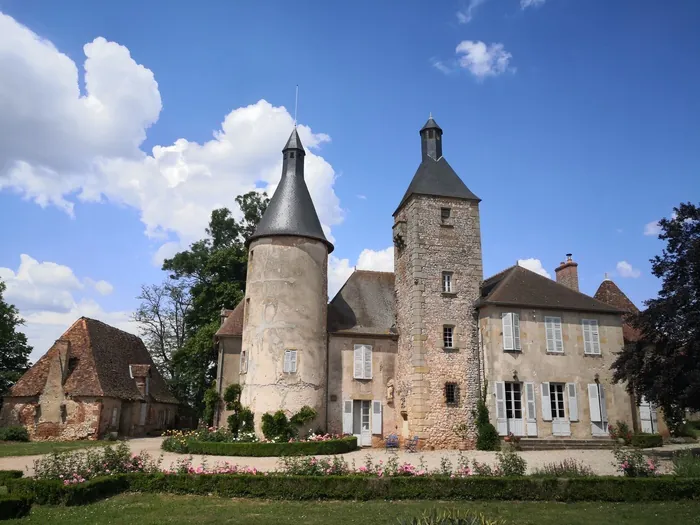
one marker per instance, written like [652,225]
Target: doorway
[560,422]
[361,422]
[514,409]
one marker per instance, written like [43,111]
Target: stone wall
[342,386]
[430,246]
[285,309]
[535,364]
[77,418]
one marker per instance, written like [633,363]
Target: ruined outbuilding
[95,380]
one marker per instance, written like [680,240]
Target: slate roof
[431,124]
[609,293]
[233,324]
[518,286]
[99,357]
[291,211]
[364,305]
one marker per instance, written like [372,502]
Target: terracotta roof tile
[610,293]
[233,324]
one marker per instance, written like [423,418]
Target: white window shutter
[516,332]
[367,356]
[507,320]
[595,339]
[531,409]
[376,417]
[287,361]
[293,362]
[594,402]
[549,330]
[558,339]
[603,404]
[573,401]
[586,337]
[359,361]
[501,421]
[546,404]
[645,416]
[347,416]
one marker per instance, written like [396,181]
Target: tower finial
[431,115]
[296,105]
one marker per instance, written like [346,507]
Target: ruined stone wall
[285,308]
[430,245]
[342,386]
[79,419]
[534,364]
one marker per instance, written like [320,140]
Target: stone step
[566,444]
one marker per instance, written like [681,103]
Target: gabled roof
[291,211]
[99,358]
[518,286]
[609,293]
[437,178]
[233,324]
[364,305]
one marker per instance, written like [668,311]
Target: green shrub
[688,430]
[305,415]
[14,507]
[241,418]
[297,448]
[686,464]
[487,437]
[436,517]
[632,463]
[15,433]
[511,464]
[277,428]
[9,474]
[211,403]
[647,440]
[569,468]
[621,430]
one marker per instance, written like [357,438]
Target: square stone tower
[438,267]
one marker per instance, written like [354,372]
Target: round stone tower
[283,352]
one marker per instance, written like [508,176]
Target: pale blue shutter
[573,401]
[546,403]
[376,417]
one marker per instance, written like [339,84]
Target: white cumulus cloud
[534,265]
[59,145]
[652,228]
[483,60]
[625,269]
[339,269]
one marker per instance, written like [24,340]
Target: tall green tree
[214,270]
[664,366]
[14,350]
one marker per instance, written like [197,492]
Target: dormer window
[445,213]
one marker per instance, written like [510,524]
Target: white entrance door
[560,422]
[514,409]
[647,417]
[598,409]
[361,422]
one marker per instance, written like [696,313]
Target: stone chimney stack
[567,273]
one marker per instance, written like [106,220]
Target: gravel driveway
[601,461]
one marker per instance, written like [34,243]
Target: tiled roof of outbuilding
[233,325]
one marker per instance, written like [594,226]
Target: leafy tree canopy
[14,350]
[664,366]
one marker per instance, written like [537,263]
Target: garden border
[611,489]
[295,448]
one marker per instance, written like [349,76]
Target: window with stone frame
[448,339]
[452,394]
[290,361]
[445,213]
[244,362]
[447,282]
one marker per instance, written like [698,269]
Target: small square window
[448,336]
[290,361]
[445,213]
[452,393]
[291,154]
[447,282]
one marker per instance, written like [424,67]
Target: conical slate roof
[431,124]
[291,211]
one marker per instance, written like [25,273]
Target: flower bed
[260,449]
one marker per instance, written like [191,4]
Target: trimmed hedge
[12,507]
[647,440]
[613,489]
[14,433]
[9,474]
[300,448]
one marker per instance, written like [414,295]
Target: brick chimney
[567,273]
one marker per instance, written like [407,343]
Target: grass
[34,448]
[159,509]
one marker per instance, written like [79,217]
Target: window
[555,342]
[556,399]
[591,342]
[514,401]
[448,336]
[447,282]
[244,362]
[291,154]
[363,362]
[452,393]
[115,413]
[511,331]
[290,361]
[445,213]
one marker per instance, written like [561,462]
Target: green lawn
[155,509]
[32,448]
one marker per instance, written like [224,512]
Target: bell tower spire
[431,139]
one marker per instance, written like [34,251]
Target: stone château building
[410,352]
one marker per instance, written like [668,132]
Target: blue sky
[575,121]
